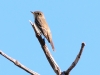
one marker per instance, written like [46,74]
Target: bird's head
[37,14]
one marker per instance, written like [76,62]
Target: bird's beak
[32,12]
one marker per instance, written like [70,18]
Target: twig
[46,50]
[75,61]
[18,64]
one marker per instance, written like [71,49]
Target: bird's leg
[40,33]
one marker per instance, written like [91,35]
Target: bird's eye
[39,13]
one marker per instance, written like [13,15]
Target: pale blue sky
[71,22]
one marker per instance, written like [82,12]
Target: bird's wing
[43,26]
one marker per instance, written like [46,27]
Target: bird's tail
[52,45]
[49,38]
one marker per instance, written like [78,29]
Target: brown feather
[43,26]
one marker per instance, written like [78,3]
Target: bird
[42,25]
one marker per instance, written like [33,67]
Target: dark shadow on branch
[46,50]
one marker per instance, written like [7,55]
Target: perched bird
[43,26]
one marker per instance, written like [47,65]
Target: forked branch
[48,56]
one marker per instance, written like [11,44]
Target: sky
[71,22]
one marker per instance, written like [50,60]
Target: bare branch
[75,61]
[46,50]
[18,64]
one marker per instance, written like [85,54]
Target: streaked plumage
[43,26]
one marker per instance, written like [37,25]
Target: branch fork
[48,55]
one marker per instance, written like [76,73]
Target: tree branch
[75,61]
[46,50]
[18,64]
